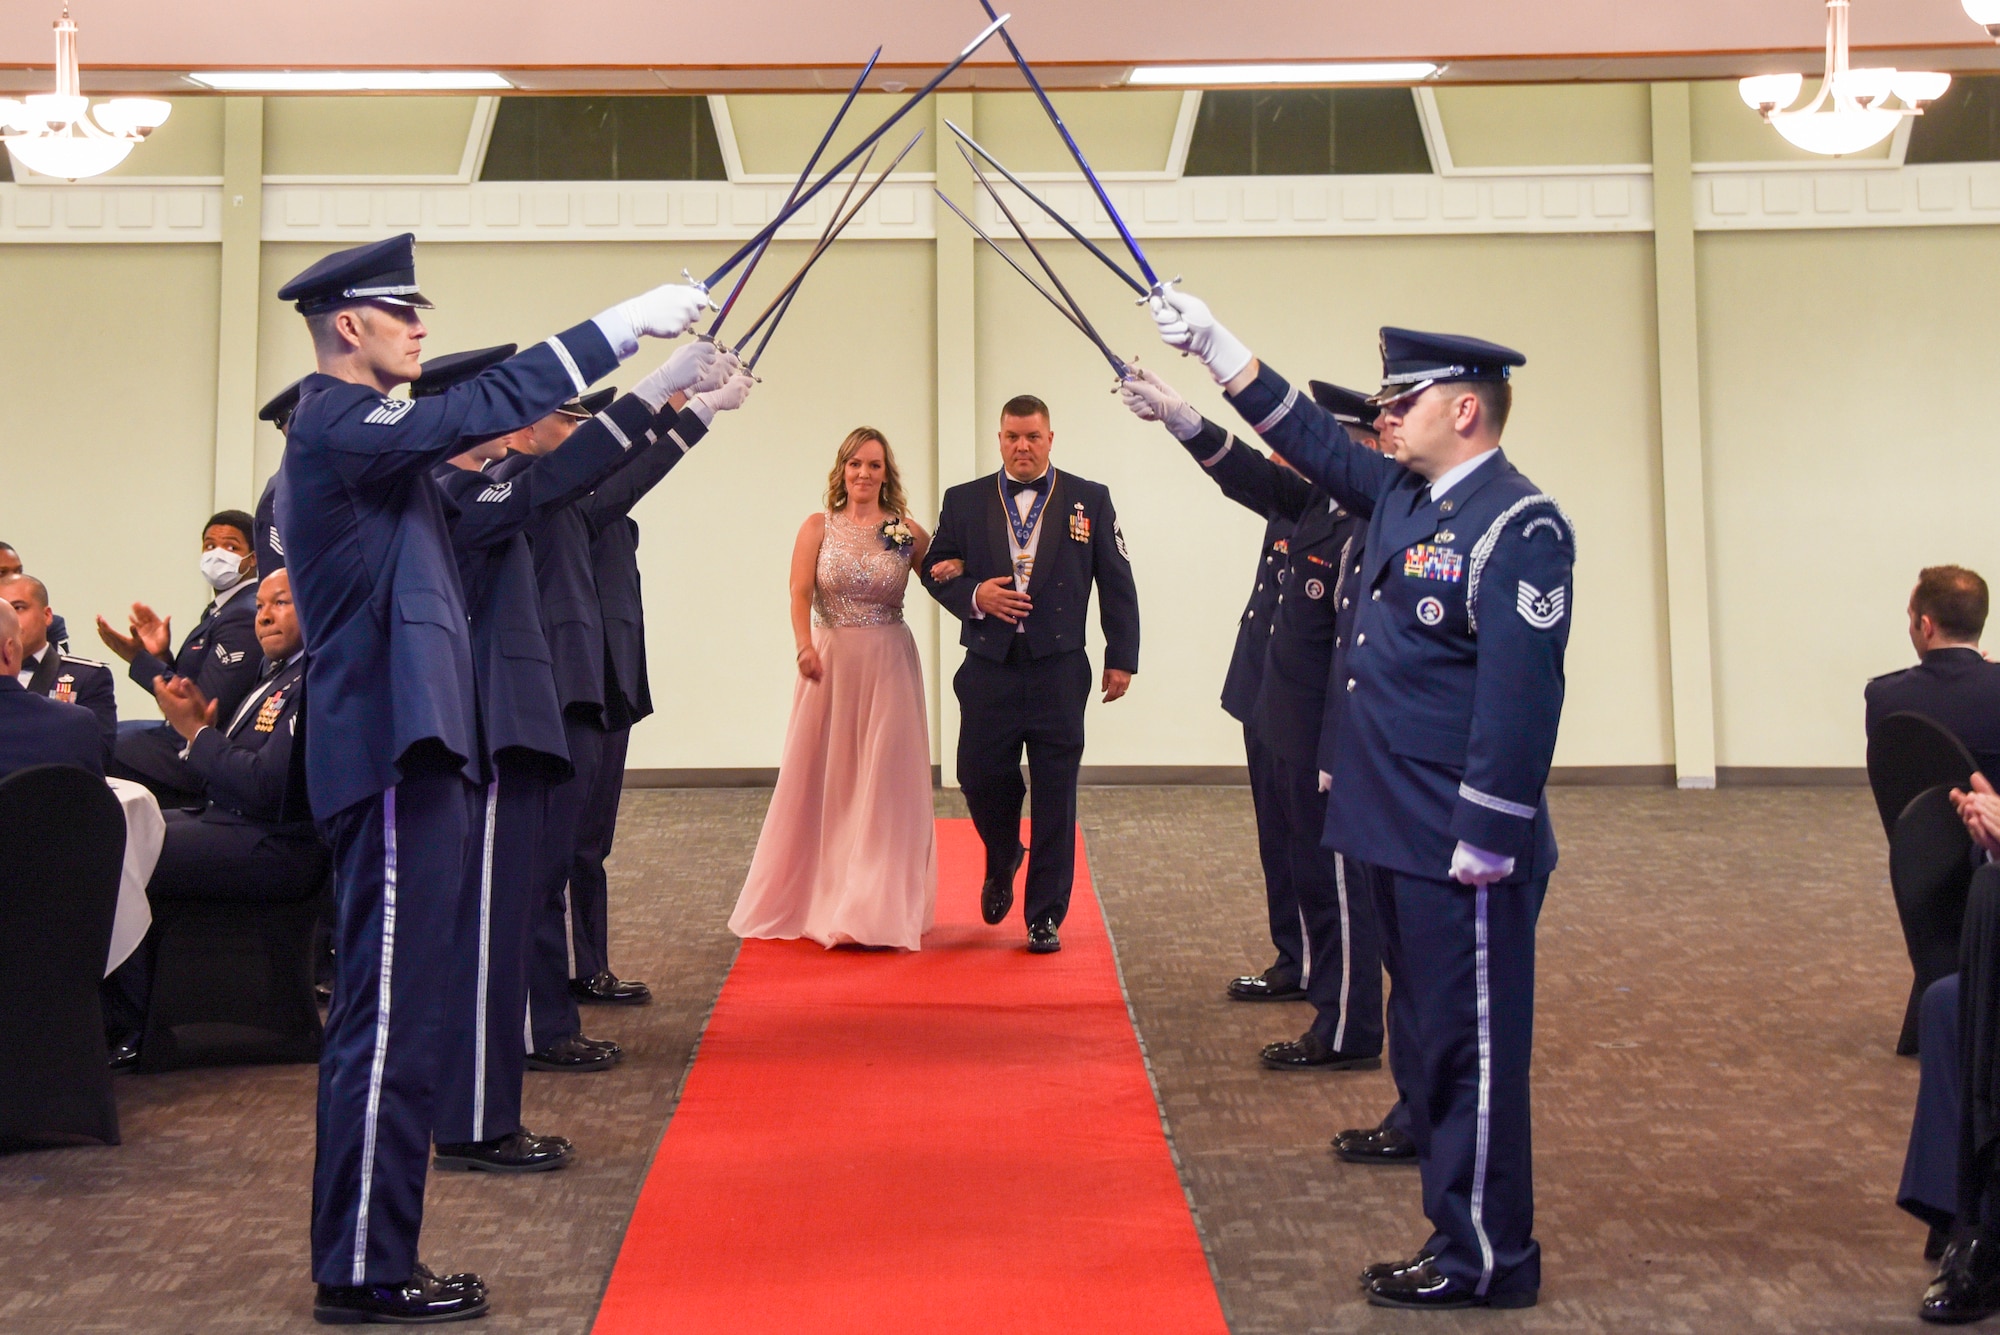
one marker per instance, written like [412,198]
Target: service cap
[1413,361]
[278,412]
[455,368]
[384,271]
[1347,406]
[589,405]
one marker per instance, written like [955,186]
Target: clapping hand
[125,646]
[184,706]
[1980,810]
[153,634]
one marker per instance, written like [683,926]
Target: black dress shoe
[608,989]
[1422,1288]
[1384,1269]
[1269,985]
[1967,1287]
[521,1152]
[574,1054]
[462,1282]
[420,1300]
[1377,1145]
[997,895]
[1308,1053]
[125,1054]
[1042,938]
[1936,1241]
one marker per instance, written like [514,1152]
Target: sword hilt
[702,288]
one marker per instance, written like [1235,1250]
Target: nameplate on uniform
[65,690]
[1425,561]
[268,712]
[1079,524]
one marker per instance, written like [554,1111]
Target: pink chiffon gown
[848,854]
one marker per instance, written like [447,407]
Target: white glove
[1186,323]
[666,312]
[696,367]
[728,398]
[1152,399]
[1476,866]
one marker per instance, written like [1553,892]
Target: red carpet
[962,1139]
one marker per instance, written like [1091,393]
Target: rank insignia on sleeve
[1541,610]
[1426,561]
[1079,524]
[267,713]
[65,690]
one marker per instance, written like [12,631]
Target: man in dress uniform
[220,654]
[1953,683]
[47,670]
[1455,688]
[1024,536]
[254,838]
[10,564]
[35,730]
[1335,918]
[264,538]
[392,747]
[628,697]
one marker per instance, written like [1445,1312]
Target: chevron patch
[389,412]
[1541,610]
[499,491]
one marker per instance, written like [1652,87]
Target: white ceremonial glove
[1187,323]
[694,368]
[1476,866]
[1325,782]
[666,312]
[728,398]
[1152,399]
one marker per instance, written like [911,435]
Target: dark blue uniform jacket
[82,681]
[614,561]
[1455,673]
[1313,577]
[221,653]
[252,762]
[270,544]
[518,710]
[35,730]
[1080,542]
[1253,628]
[1954,687]
[374,579]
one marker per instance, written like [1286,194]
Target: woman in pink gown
[849,852]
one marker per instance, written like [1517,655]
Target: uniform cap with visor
[1413,361]
[382,271]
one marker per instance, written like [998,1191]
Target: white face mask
[222,568]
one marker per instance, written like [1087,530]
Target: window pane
[1961,126]
[603,139]
[1308,132]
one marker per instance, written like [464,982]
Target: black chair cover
[65,837]
[1979,1049]
[1908,753]
[1930,870]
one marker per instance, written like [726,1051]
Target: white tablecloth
[145,832]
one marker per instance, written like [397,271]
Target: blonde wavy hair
[892,481]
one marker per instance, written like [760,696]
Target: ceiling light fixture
[1986,13]
[350,81]
[1858,117]
[59,134]
[1189,76]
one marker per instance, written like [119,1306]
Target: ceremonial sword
[1044,206]
[1074,317]
[1103,197]
[804,173]
[783,302]
[785,214]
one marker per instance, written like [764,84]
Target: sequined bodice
[859,580]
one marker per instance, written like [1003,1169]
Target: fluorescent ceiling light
[349,81]
[1409,71]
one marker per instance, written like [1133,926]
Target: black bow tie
[1040,486]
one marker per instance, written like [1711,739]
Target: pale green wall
[108,462]
[775,133]
[1547,125]
[189,144]
[1850,444]
[365,136]
[1727,130]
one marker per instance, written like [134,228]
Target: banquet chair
[1930,870]
[1908,753]
[65,837]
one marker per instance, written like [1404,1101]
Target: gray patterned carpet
[1719,1118]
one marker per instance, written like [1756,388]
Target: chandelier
[1858,116]
[1986,13]
[61,134]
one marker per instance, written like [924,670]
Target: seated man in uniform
[47,670]
[219,655]
[11,565]
[254,840]
[35,730]
[1953,683]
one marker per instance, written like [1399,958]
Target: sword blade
[826,236]
[1124,372]
[805,173]
[784,215]
[1044,206]
[1124,232]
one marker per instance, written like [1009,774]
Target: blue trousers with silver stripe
[484,1062]
[1280,900]
[1467,957]
[1405,1061]
[398,868]
[1335,917]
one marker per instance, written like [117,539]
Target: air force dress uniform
[393,744]
[76,681]
[1343,972]
[35,730]
[1454,692]
[222,657]
[265,537]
